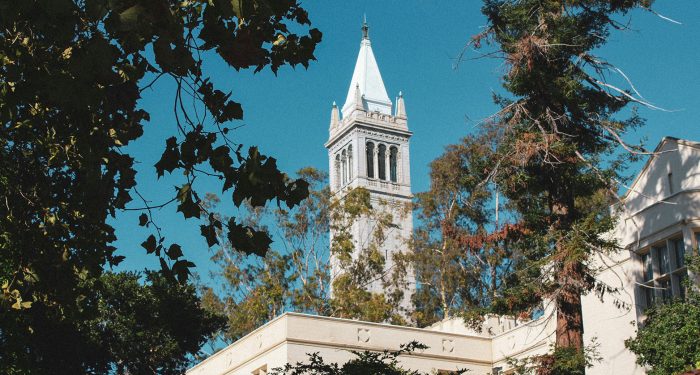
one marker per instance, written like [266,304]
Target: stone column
[376,160]
[399,166]
[344,167]
[387,163]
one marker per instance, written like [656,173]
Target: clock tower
[368,147]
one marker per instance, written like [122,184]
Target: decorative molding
[448,345]
[384,132]
[363,335]
[382,136]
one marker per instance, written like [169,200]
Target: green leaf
[181,269]
[129,18]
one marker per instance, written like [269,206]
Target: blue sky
[415,43]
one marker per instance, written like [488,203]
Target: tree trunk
[570,280]
[568,303]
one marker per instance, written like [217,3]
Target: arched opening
[350,163]
[393,156]
[344,161]
[337,171]
[369,147]
[381,156]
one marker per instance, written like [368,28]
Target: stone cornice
[382,128]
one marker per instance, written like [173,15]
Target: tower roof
[367,77]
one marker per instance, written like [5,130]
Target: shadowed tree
[73,73]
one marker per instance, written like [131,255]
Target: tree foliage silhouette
[73,73]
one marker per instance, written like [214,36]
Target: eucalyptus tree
[295,274]
[465,244]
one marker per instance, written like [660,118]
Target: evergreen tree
[559,128]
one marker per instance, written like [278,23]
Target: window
[679,251]
[662,277]
[381,158]
[393,156]
[670,183]
[369,147]
[649,296]
[662,256]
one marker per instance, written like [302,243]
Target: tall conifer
[560,125]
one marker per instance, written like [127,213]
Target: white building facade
[659,223]
[369,147]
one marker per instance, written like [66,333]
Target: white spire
[335,117]
[367,77]
[400,107]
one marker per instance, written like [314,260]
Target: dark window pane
[680,280]
[649,296]
[648,269]
[370,160]
[666,291]
[679,251]
[662,256]
[350,166]
[393,153]
[381,158]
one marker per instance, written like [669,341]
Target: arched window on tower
[344,166]
[337,171]
[393,156]
[349,163]
[369,147]
[381,156]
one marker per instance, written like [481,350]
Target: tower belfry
[368,147]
